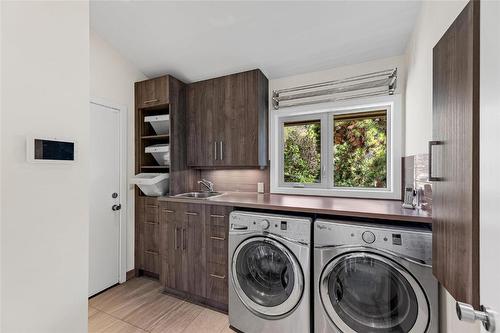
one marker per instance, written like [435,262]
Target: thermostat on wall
[50,150]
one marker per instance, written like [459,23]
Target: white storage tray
[161,153]
[152,184]
[159,123]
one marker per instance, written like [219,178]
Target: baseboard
[130,274]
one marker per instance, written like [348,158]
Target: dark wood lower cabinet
[217,218]
[147,229]
[193,251]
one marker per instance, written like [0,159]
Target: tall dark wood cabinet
[159,96]
[227,121]
[454,157]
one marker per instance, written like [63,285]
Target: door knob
[116,207]
[466,312]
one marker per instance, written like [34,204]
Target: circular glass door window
[369,293]
[267,276]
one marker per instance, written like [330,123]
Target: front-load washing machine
[373,278]
[269,273]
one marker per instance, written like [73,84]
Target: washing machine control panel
[291,227]
[411,242]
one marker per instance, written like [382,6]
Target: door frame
[123,124]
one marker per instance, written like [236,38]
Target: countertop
[366,208]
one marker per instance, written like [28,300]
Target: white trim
[123,115]
[394,142]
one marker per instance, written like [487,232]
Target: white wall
[434,19]
[44,231]
[343,72]
[112,79]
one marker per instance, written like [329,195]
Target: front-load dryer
[269,273]
[373,278]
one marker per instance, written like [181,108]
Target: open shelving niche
[148,137]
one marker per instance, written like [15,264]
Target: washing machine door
[367,292]
[267,277]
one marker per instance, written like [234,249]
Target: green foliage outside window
[302,150]
[360,153]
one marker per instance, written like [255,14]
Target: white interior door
[490,158]
[104,196]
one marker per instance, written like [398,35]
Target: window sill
[346,193]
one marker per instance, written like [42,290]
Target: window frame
[326,112]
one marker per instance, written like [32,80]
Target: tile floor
[139,306]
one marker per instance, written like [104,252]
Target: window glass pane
[360,150]
[302,152]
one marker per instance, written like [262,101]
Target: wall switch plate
[260,187]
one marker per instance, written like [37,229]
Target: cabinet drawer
[151,262]
[216,250]
[151,214]
[152,92]
[151,236]
[217,283]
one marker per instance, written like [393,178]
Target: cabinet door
[152,92]
[217,222]
[201,133]
[455,157]
[243,137]
[173,258]
[166,247]
[194,248]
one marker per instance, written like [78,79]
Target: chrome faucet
[207,184]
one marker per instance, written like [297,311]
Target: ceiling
[200,40]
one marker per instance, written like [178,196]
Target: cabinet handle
[222,277]
[192,213]
[151,101]
[168,211]
[176,242]
[221,153]
[218,238]
[432,144]
[148,222]
[215,150]
[151,252]
[184,239]
[217,216]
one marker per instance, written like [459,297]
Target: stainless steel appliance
[269,273]
[373,278]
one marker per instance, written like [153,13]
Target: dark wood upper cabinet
[152,92]
[455,157]
[228,119]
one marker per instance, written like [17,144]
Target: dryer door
[267,277]
[366,292]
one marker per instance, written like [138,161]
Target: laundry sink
[199,195]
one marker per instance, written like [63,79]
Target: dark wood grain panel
[228,121]
[151,213]
[182,178]
[456,160]
[157,96]
[194,246]
[153,92]
[217,253]
[138,231]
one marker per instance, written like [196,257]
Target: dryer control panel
[291,227]
[410,242]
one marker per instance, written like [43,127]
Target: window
[360,150]
[302,152]
[353,151]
